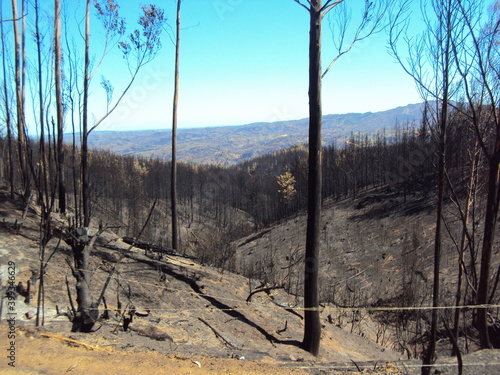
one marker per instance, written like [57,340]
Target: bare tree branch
[329,6]
[371,23]
[301,4]
[144,45]
[15,19]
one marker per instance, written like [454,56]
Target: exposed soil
[196,320]
[195,313]
[45,353]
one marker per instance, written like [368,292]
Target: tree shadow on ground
[380,206]
[221,306]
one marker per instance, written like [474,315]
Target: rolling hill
[227,145]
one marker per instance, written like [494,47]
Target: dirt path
[38,353]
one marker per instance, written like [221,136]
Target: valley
[198,314]
[229,145]
[333,244]
[234,288]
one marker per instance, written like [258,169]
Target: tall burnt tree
[6,103]
[443,58]
[173,175]
[43,175]
[433,49]
[467,45]
[312,328]
[85,118]
[141,47]
[43,180]
[476,55]
[59,106]
[370,22]
[19,67]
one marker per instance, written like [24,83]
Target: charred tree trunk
[429,357]
[85,131]
[21,137]
[59,107]
[87,312]
[173,182]
[312,329]
[482,96]
[7,110]
[43,178]
[463,242]
[492,205]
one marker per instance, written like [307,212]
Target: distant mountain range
[226,145]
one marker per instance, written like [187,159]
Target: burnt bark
[59,107]
[21,135]
[85,131]
[7,109]
[173,175]
[430,355]
[312,329]
[86,313]
[490,220]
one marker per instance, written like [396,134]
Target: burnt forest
[371,247]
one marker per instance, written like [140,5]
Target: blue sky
[246,61]
[243,61]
